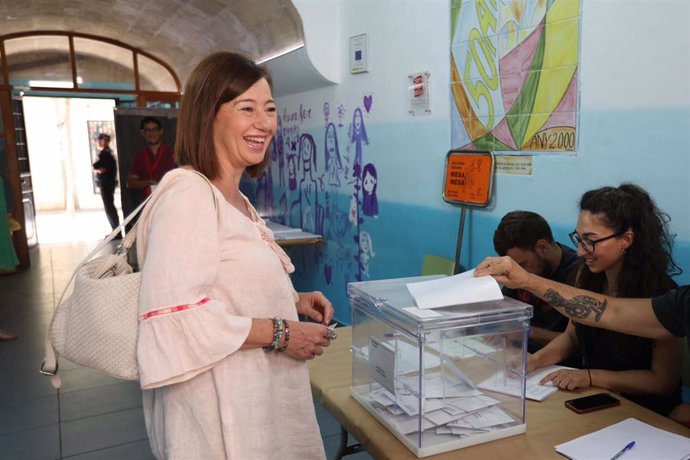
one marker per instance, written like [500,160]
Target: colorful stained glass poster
[514,74]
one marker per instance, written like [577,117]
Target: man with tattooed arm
[661,317]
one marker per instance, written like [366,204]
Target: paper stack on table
[650,443]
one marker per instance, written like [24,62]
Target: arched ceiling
[179,32]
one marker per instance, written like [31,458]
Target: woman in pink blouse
[221,351]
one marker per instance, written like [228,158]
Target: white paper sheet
[650,443]
[455,290]
[484,418]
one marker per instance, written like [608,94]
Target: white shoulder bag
[97,325]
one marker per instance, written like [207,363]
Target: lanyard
[152,169]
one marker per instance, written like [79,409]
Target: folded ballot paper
[460,289]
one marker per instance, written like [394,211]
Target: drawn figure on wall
[278,152]
[326,111]
[341,111]
[264,192]
[366,252]
[282,209]
[353,214]
[292,172]
[306,206]
[370,204]
[358,135]
[334,164]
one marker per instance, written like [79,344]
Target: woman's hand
[568,379]
[307,340]
[316,306]
[505,270]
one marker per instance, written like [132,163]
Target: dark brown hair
[522,230]
[648,261]
[218,79]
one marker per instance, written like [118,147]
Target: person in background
[106,179]
[624,240]
[526,237]
[222,354]
[150,164]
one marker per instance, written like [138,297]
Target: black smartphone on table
[591,403]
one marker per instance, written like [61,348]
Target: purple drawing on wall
[334,164]
[370,204]
[366,251]
[358,136]
[292,172]
[282,209]
[264,192]
[305,212]
[368,100]
[326,111]
[278,152]
[341,111]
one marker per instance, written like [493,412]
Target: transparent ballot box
[438,379]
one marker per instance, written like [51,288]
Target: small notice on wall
[418,91]
[468,177]
[516,165]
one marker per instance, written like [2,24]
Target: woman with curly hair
[624,240]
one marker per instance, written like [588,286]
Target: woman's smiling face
[243,128]
[607,254]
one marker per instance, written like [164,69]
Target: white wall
[634,126]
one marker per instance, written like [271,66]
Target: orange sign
[469,177]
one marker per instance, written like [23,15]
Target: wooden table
[548,423]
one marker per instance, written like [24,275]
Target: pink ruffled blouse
[206,273]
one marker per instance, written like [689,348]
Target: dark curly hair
[648,262]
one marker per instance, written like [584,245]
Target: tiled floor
[100,417]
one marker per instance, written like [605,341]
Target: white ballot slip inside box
[507,384]
[460,289]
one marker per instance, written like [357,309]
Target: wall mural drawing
[370,204]
[334,165]
[323,188]
[514,74]
[278,152]
[305,212]
[366,249]
[358,137]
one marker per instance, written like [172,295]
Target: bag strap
[49,366]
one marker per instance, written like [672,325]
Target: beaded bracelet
[287,336]
[277,334]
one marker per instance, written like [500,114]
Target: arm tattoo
[579,307]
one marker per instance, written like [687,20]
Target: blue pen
[624,450]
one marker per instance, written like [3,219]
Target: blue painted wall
[634,126]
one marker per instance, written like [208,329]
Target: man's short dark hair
[148,120]
[521,229]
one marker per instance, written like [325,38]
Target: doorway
[62,142]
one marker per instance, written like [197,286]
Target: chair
[437,265]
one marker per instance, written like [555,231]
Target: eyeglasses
[587,244]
